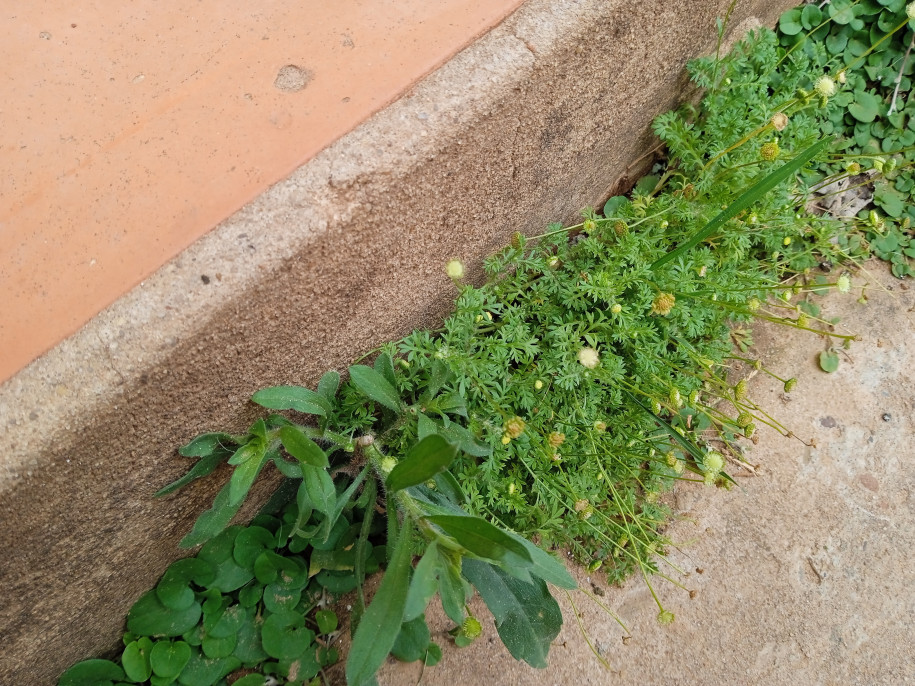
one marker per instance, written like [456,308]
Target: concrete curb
[531,123]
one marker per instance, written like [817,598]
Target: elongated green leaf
[747,198]
[320,489]
[375,386]
[302,448]
[546,566]
[248,451]
[482,538]
[214,520]
[201,468]
[374,637]
[244,475]
[425,426]
[423,585]
[329,384]
[527,616]
[91,672]
[293,398]
[205,444]
[427,458]
[384,365]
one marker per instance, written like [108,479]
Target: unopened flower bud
[538,384]
[616,308]
[790,384]
[556,439]
[471,628]
[843,283]
[740,389]
[853,168]
[620,228]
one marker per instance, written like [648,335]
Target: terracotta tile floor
[128,130]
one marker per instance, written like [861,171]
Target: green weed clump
[597,366]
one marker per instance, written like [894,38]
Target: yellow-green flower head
[853,168]
[843,283]
[471,628]
[616,308]
[600,426]
[744,419]
[675,398]
[779,121]
[713,462]
[740,389]
[910,10]
[454,269]
[387,464]
[514,427]
[620,228]
[665,617]
[588,357]
[663,304]
[538,384]
[769,151]
[556,439]
[790,384]
[589,225]
[825,87]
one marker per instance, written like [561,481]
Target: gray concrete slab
[802,576]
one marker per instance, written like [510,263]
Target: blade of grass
[747,198]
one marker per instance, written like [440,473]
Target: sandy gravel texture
[806,576]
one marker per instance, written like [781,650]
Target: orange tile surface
[130,129]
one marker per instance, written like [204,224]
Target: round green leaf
[327,621]
[215,648]
[250,595]
[865,108]
[229,623]
[829,361]
[135,659]
[149,617]
[790,22]
[175,594]
[91,673]
[251,680]
[279,599]
[203,671]
[811,16]
[251,542]
[284,635]
[168,658]
[841,11]
[248,649]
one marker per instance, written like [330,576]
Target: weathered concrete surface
[534,121]
[806,568]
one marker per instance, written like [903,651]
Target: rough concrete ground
[806,576]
